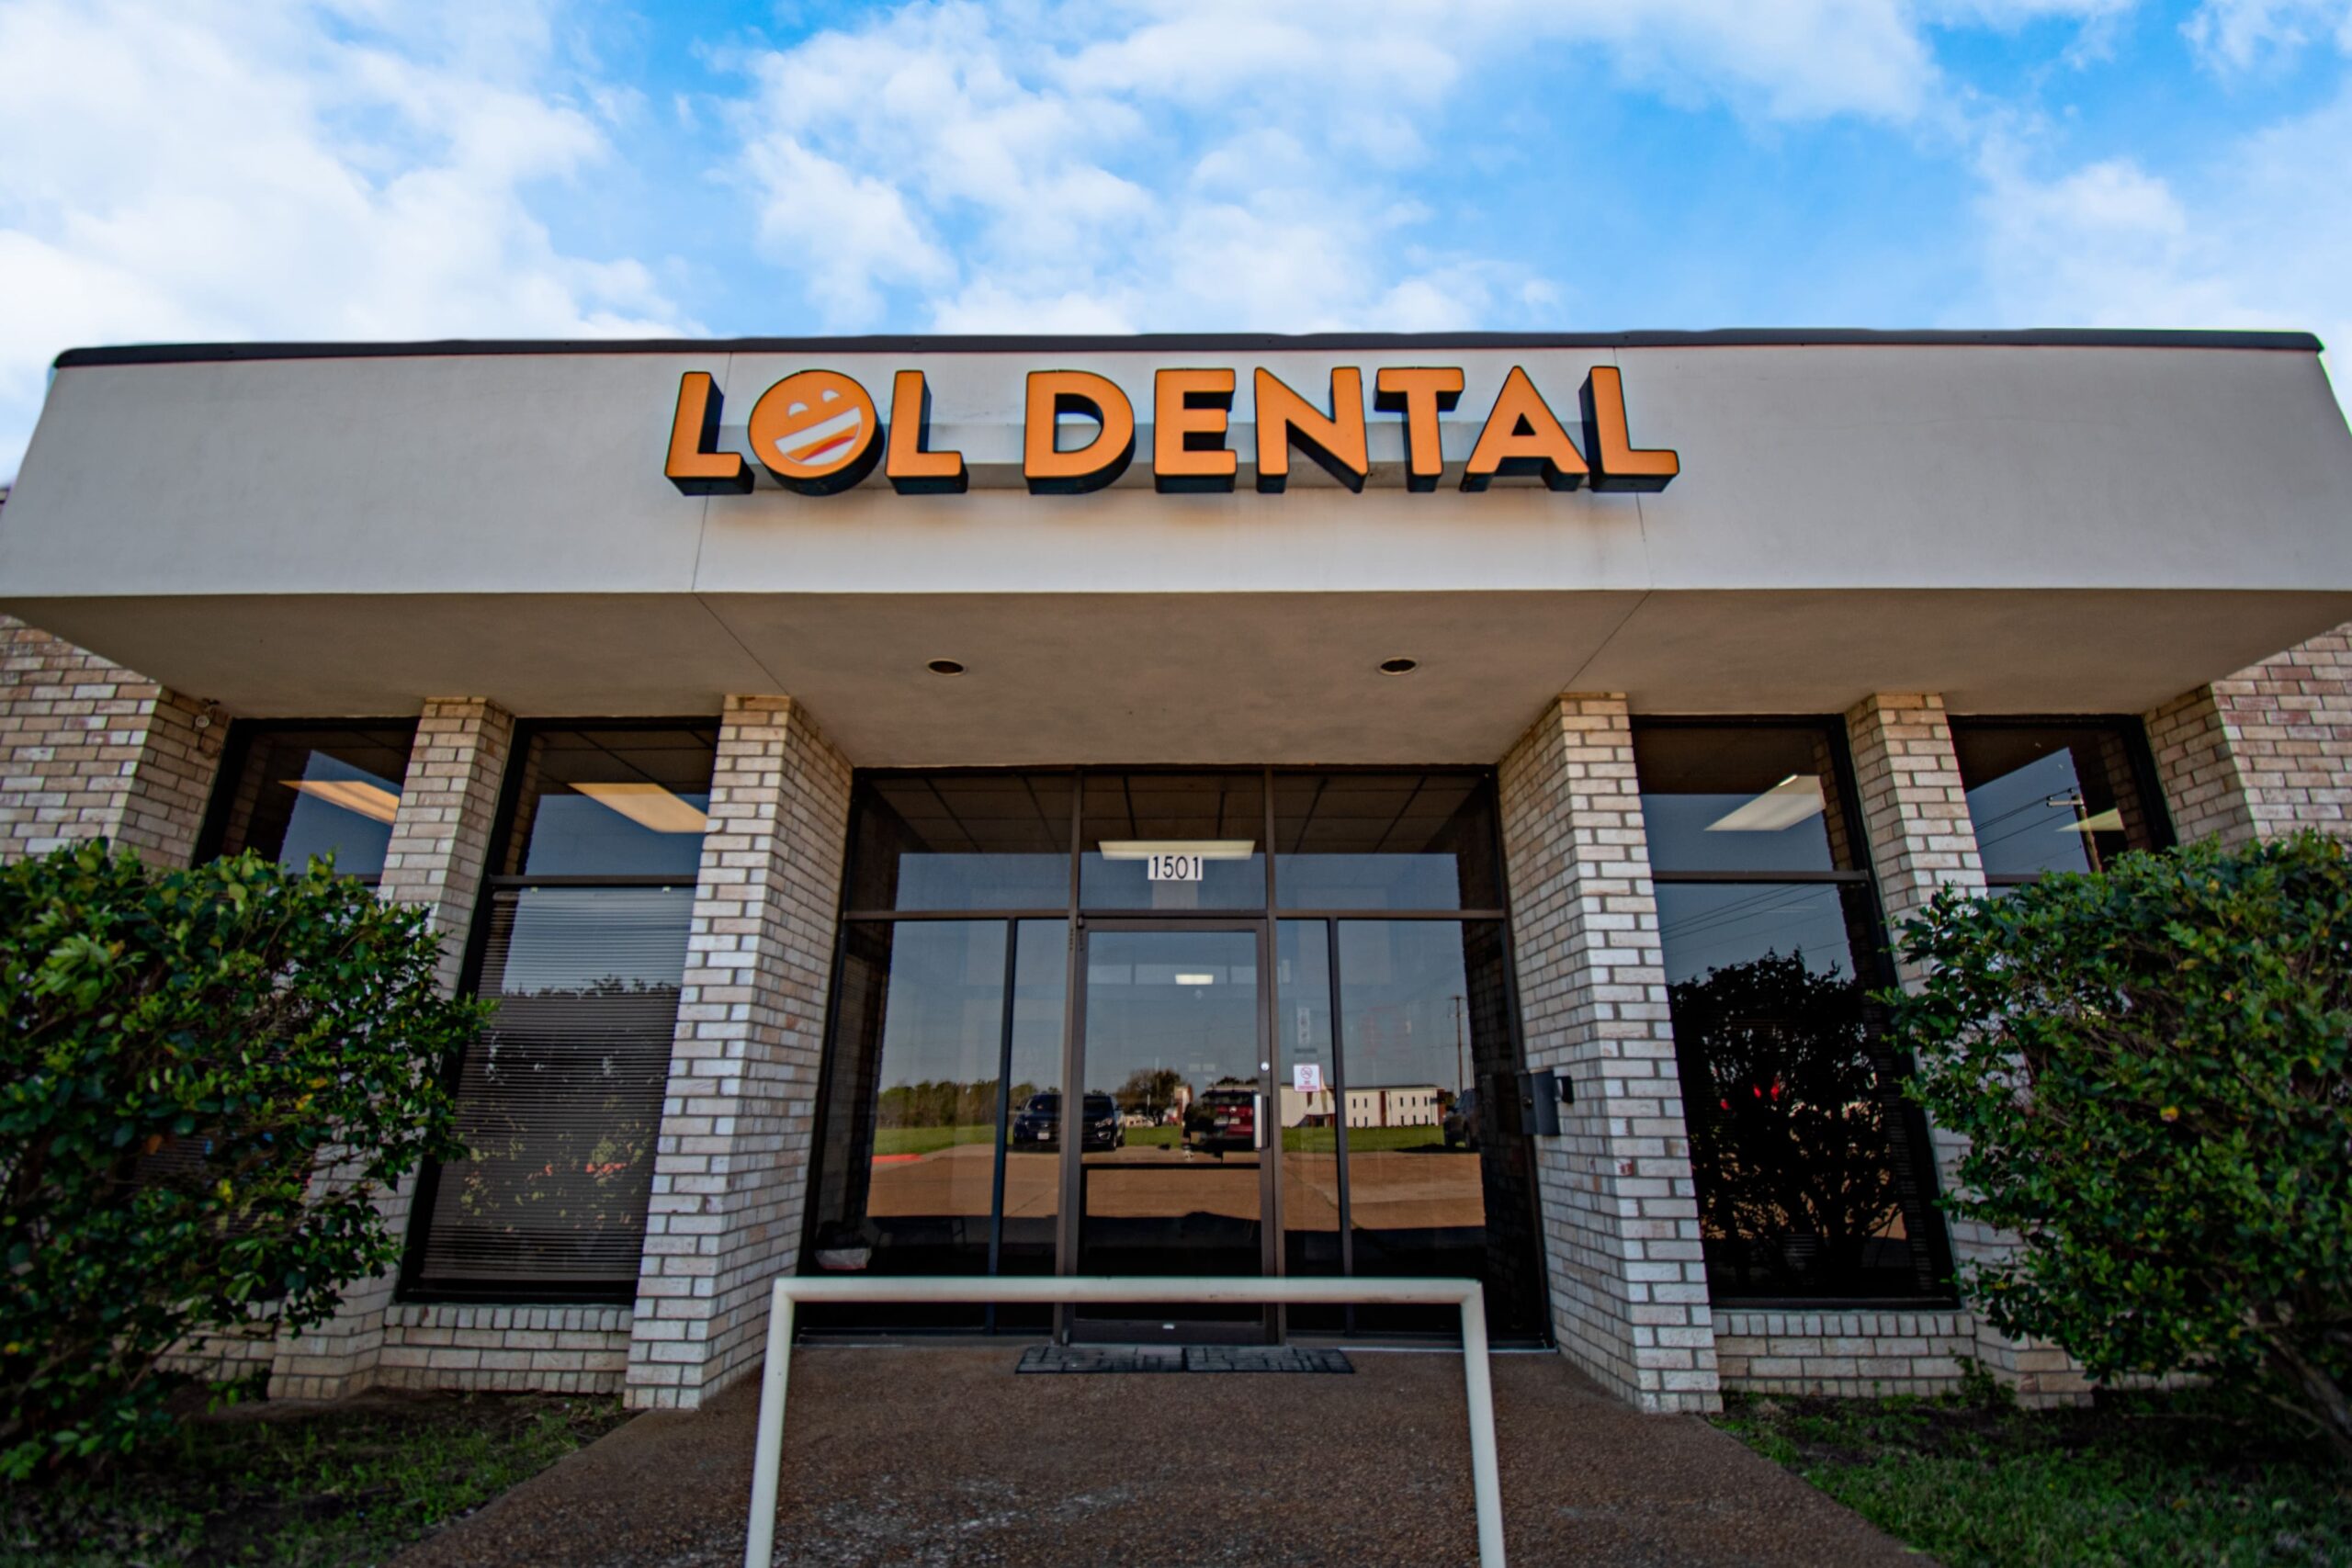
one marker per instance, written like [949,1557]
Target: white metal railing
[759,1547]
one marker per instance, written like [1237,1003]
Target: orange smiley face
[816,431]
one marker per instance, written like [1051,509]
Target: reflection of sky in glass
[1679,841]
[943,1016]
[1138,1015]
[574,835]
[566,939]
[1125,884]
[320,828]
[1303,982]
[928,881]
[1040,996]
[1404,1004]
[2018,830]
[1368,882]
[1713,926]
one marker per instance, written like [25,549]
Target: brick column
[2264,752]
[1621,1218]
[89,749]
[438,854]
[1914,813]
[730,1167]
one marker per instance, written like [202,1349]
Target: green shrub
[2153,1068]
[189,1053]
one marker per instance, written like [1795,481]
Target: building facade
[988,806]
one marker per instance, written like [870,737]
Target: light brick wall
[439,851]
[1922,838]
[538,1349]
[437,857]
[1860,1353]
[1914,811]
[731,1166]
[89,749]
[1621,1219]
[2264,752]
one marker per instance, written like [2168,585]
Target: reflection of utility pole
[1460,1081]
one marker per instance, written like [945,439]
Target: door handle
[1257,1121]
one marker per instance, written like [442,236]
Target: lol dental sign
[820,432]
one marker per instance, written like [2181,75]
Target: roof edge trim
[1736,337]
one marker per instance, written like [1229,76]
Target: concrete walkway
[944,1456]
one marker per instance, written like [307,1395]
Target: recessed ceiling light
[944,666]
[1399,666]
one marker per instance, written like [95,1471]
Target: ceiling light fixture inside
[372,801]
[1793,800]
[648,806]
[1207,849]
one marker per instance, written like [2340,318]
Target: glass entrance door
[1166,1159]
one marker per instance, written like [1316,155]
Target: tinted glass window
[1741,798]
[942,1109]
[2045,797]
[296,794]
[1348,840]
[612,802]
[961,841]
[1809,1168]
[1813,1174]
[560,1099]
[1214,824]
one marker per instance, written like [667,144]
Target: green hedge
[2153,1068]
[189,1054]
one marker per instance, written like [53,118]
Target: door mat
[1181,1358]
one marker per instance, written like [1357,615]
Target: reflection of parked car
[1462,1122]
[1040,1120]
[1226,1119]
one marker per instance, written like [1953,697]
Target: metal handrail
[767,1459]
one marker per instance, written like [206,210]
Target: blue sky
[363,169]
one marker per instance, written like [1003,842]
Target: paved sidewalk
[944,1456]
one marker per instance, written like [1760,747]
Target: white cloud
[2234,35]
[1162,163]
[226,170]
[2260,237]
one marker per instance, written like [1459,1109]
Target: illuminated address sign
[819,432]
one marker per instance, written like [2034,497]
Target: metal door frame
[1073,1151]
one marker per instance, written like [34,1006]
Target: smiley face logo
[817,432]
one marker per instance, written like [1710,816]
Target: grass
[1297,1140]
[323,1488]
[929,1140]
[1363,1140]
[2136,1479]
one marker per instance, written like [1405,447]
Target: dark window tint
[1412,840]
[941,1106]
[612,802]
[298,793]
[560,1098]
[1742,798]
[1419,1035]
[961,841]
[2054,797]
[1811,1169]
[1140,823]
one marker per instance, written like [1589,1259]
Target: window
[2056,795]
[300,792]
[1384,982]
[947,1037]
[1813,1174]
[582,945]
